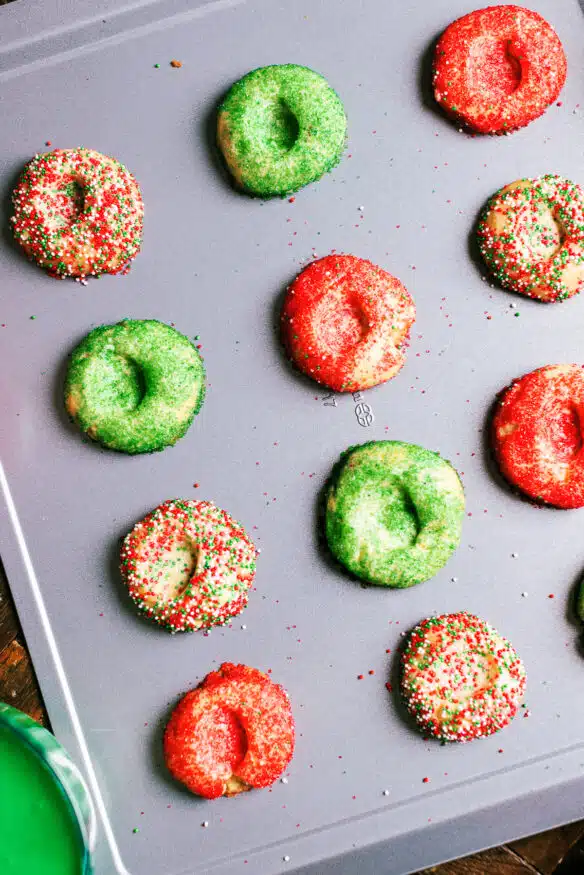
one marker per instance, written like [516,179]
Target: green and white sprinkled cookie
[188,565]
[393,512]
[135,386]
[279,128]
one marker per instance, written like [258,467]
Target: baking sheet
[215,264]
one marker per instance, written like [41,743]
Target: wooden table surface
[557,852]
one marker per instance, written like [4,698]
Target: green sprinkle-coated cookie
[135,386]
[393,512]
[280,128]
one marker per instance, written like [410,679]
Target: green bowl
[47,819]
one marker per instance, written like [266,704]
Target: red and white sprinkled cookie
[78,213]
[188,565]
[538,435]
[460,679]
[499,68]
[345,323]
[531,236]
[233,733]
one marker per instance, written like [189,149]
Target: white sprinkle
[514,555]
[205,823]
[283,780]
[386,792]
[286,858]
[243,626]
[454,579]
[512,306]
[524,595]
[361,208]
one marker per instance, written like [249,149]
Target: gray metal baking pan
[214,263]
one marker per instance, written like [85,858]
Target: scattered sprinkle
[176,64]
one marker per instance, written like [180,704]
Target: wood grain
[499,861]
[547,850]
[18,685]
[8,624]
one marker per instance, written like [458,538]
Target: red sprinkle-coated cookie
[78,213]
[460,679]
[234,732]
[499,68]
[538,435]
[345,323]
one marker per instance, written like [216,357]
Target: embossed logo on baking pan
[363,411]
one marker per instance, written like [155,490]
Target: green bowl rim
[64,771]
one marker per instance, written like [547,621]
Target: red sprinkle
[346,322]
[243,726]
[538,410]
[482,58]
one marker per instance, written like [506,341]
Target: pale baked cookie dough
[393,512]
[135,386]
[280,128]
[460,679]
[346,323]
[497,69]
[188,565]
[538,435]
[78,213]
[531,236]
[234,732]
